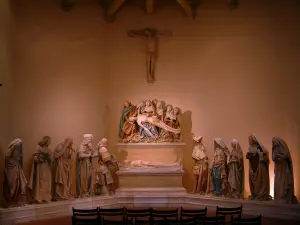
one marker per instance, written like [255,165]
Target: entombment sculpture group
[59,175]
[226,176]
[89,171]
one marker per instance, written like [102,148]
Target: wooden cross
[151,36]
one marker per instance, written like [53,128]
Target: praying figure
[219,174]
[84,167]
[62,170]
[259,179]
[200,169]
[236,170]
[284,177]
[40,179]
[15,182]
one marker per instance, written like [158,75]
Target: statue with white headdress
[106,163]
[200,169]
[84,166]
[15,182]
[236,170]
[259,179]
[219,170]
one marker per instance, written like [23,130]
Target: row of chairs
[158,216]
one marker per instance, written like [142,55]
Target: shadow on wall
[186,130]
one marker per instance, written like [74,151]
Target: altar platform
[151,180]
[268,209]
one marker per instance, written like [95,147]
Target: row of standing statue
[53,176]
[226,175]
[66,173]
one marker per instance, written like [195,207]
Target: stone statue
[104,178]
[15,182]
[62,170]
[128,128]
[150,36]
[145,121]
[148,121]
[284,177]
[200,169]
[84,166]
[236,170]
[259,179]
[40,179]
[148,164]
[219,174]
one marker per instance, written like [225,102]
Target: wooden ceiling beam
[186,7]
[115,6]
[149,6]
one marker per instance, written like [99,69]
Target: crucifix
[151,37]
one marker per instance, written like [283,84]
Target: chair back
[112,215]
[216,220]
[112,211]
[138,215]
[247,221]
[165,214]
[85,216]
[86,213]
[233,212]
[191,213]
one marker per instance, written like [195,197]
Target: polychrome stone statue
[236,170]
[200,169]
[40,182]
[284,176]
[259,179]
[15,182]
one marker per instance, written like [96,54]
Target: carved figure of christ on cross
[151,37]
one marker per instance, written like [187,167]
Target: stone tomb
[156,181]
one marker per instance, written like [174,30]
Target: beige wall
[5,79]
[231,72]
[58,74]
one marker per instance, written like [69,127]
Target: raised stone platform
[150,179]
[155,152]
[268,209]
[153,192]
